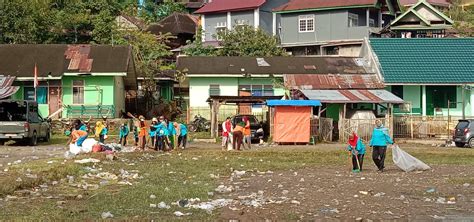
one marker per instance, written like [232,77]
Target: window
[214,90]
[353,20]
[372,23]
[41,94]
[440,95]
[398,91]
[78,91]
[306,23]
[221,28]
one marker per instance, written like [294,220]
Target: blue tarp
[293,103]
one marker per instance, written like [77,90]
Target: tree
[463,18]
[155,12]
[245,40]
[197,48]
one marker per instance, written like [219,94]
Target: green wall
[43,108]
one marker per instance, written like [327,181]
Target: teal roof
[425,60]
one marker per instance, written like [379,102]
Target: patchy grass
[170,177]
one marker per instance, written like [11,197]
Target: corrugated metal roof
[352,96]
[175,24]
[443,3]
[295,5]
[293,103]
[229,5]
[333,81]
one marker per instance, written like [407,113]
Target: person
[161,135]
[77,136]
[357,149]
[238,135]
[124,130]
[226,129]
[247,132]
[152,131]
[171,134]
[378,142]
[135,135]
[141,132]
[183,134]
[79,125]
[100,131]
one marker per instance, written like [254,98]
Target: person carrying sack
[378,142]
[357,152]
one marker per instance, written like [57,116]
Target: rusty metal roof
[333,81]
[217,6]
[352,96]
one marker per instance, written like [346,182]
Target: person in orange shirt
[247,132]
[238,133]
[77,136]
[142,131]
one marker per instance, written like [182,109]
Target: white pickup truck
[21,121]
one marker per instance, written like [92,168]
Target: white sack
[405,161]
[86,146]
[74,149]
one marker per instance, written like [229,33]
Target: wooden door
[54,101]
[245,108]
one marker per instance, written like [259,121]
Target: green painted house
[435,76]
[73,80]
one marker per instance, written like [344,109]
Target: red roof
[444,3]
[294,5]
[229,5]
[334,81]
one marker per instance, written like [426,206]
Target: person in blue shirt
[161,135]
[124,130]
[152,131]
[357,149]
[182,137]
[379,141]
[171,134]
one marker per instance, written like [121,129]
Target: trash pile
[92,145]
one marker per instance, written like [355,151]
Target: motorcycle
[199,124]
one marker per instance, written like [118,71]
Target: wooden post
[411,126]
[343,122]
[319,122]
[270,110]
[390,119]
[214,122]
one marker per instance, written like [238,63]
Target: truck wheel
[458,144]
[34,140]
[2,142]
[471,143]
[47,137]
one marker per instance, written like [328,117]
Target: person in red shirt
[226,130]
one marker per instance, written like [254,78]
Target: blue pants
[81,140]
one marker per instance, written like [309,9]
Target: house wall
[266,17]
[98,90]
[42,108]
[329,25]
[211,21]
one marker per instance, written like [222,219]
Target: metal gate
[324,130]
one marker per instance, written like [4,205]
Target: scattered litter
[329,210]
[431,190]
[438,217]
[224,189]
[167,189]
[302,180]
[441,200]
[106,215]
[50,162]
[379,194]
[280,186]
[153,205]
[210,194]
[183,202]
[88,160]
[466,185]
[110,157]
[79,197]
[17,162]
[211,205]
[163,205]
[152,196]
[179,214]
[362,178]
[107,176]
[295,202]
[19,179]
[285,192]
[359,219]
[214,176]
[364,192]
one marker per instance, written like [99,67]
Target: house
[439,4]
[241,76]
[322,27]
[181,25]
[126,22]
[421,20]
[222,15]
[348,88]
[80,80]
[435,76]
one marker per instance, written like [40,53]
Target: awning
[293,103]
[242,99]
[6,88]
[352,96]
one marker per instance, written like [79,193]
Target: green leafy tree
[155,12]
[197,48]
[463,17]
[245,40]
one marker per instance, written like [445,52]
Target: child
[100,131]
[142,132]
[77,136]
[226,128]
[182,138]
[124,130]
[357,149]
[238,136]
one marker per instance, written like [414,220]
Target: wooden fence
[420,127]
[224,112]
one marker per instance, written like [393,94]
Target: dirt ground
[444,192]
[13,154]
